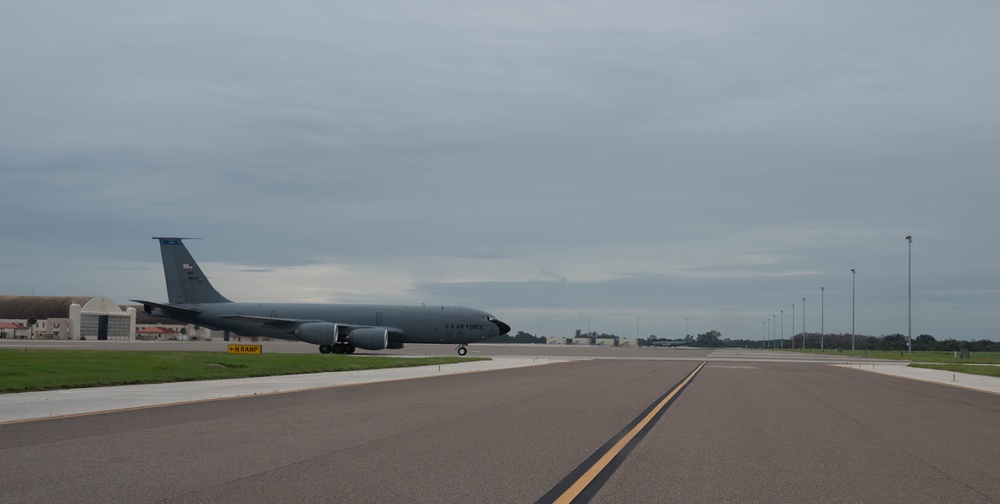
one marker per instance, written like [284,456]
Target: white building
[91,318]
[68,317]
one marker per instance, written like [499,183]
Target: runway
[743,430]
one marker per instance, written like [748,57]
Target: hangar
[89,318]
[70,317]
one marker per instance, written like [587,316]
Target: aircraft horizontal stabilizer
[165,309]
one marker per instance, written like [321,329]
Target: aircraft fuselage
[407,324]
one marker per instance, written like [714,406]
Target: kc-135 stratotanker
[336,328]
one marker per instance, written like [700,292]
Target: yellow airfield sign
[245,349]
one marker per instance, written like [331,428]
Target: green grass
[931,357]
[26,370]
[963,368]
[944,361]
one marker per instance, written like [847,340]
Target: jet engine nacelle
[370,338]
[317,333]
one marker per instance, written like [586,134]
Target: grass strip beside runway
[28,370]
[978,363]
[983,370]
[916,356]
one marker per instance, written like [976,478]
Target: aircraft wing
[276,323]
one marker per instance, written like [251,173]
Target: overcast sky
[556,164]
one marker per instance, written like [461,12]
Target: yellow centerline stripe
[574,490]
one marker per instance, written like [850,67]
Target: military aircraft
[336,328]
[670,344]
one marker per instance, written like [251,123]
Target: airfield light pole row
[822,319]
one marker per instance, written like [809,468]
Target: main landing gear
[338,349]
[462,350]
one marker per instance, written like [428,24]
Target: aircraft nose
[504,328]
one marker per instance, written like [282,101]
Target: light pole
[637,328]
[773,329]
[763,334]
[822,333]
[782,329]
[909,288]
[853,275]
[803,323]
[687,328]
[793,327]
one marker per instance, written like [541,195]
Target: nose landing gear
[462,350]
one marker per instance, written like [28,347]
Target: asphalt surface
[799,433]
[749,427]
[57,403]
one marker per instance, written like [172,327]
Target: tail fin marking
[186,284]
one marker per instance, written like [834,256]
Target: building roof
[156,330]
[8,325]
[46,307]
[40,307]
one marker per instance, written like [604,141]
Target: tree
[32,320]
[710,339]
[894,342]
[924,342]
[949,345]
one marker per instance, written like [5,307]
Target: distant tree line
[714,339]
[891,342]
[520,337]
[924,342]
[689,340]
[592,337]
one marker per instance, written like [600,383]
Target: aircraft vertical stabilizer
[186,284]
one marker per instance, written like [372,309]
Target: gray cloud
[755,152]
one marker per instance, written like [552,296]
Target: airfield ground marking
[594,471]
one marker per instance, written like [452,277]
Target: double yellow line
[588,477]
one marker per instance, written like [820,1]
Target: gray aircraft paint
[339,327]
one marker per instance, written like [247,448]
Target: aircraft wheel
[337,349]
[350,349]
[462,351]
[324,349]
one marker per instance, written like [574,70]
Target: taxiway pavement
[751,427]
[56,403]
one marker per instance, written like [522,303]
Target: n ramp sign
[245,349]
